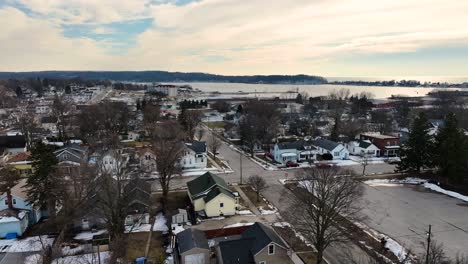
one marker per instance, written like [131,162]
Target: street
[404,212]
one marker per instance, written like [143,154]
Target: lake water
[272,90]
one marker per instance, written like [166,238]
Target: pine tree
[451,150]
[43,186]
[416,154]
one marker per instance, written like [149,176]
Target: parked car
[291,164]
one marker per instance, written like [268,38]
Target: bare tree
[60,109]
[190,119]
[258,184]
[168,150]
[436,254]
[321,205]
[9,177]
[199,134]
[214,143]
[364,162]
[26,125]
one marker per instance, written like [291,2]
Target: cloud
[232,37]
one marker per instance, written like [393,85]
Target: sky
[330,38]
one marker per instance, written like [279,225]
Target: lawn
[252,195]
[307,254]
[214,125]
[136,245]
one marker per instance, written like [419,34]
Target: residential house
[389,145]
[18,214]
[139,193]
[21,163]
[211,196]
[297,151]
[337,150]
[12,145]
[192,247]
[363,148]
[70,158]
[212,116]
[194,155]
[49,123]
[257,244]
[147,159]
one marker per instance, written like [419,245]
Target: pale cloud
[246,37]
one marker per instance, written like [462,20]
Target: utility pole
[240,157]
[428,244]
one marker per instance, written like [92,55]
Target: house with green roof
[211,196]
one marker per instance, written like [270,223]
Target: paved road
[404,212]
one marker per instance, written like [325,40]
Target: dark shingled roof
[215,191]
[253,240]
[197,146]
[299,145]
[12,142]
[48,120]
[191,238]
[326,144]
[263,236]
[364,144]
[237,251]
[204,182]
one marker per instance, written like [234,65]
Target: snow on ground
[417,181]
[398,250]
[244,212]
[89,235]
[238,225]
[297,234]
[83,259]
[271,210]
[370,160]
[67,250]
[33,259]
[198,172]
[344,162]
[449,193]
[30,244]
[160,223]
[177,228]
[138,228]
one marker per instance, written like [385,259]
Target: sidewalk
[246,199]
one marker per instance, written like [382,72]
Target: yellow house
[210,195]
[21,163]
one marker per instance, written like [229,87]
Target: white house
[194,155]
[167,89]
[337,150]
[363,147]
[16,217]
[147,159]
[297,151]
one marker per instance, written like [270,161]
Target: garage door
[195,259]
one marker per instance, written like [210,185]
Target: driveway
[404,212]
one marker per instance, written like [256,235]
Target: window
[262,262]
[14,201]
[6,201]
[271,249]
[336,153]
[221,204]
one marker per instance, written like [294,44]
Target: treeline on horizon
[164,76]
[403,83]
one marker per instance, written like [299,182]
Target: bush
[327,156]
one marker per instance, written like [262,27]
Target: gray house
[258,244]
[192,247]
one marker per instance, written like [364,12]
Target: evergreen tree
[43,186]
[452,154]
[19,91]
[416,154]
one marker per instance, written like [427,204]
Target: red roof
[225,232]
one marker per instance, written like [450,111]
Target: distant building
[389,145]
[167,89]
[194,155]
[337,150]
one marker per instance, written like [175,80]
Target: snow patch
[160,223]
[86,236]
[244,212]
[238,225]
